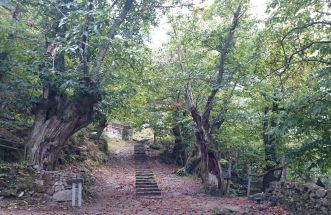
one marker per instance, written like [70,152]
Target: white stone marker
[76,193]
[73,195]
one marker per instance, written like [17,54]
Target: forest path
[114,193]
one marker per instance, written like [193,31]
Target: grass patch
[114,144]
[146,133]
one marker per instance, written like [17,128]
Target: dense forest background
[226,91]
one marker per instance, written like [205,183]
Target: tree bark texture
[208,167]
[56,119]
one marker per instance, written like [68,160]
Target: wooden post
[73,195]
[229,177]
[283,175]
[249,179]
[25,152]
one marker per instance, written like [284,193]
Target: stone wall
[56,184]
[26,183]
[119,131]
[300,198]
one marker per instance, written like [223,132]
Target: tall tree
[202,41]
[78,38]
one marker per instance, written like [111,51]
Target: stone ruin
[119,131]
[300,198]
[30,184]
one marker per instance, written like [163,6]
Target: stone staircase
[146,185]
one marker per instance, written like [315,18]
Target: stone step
[145,180]
[138,184]
[147,186]
[144,171]
[148,193]
[144,174]
[154,187]
[147,189]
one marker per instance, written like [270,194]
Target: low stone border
[300,198]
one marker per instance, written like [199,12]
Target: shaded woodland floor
[114,193]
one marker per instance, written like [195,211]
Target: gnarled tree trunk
[207,167]
[56,119]
[101,126]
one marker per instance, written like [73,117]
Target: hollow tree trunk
[209,168]
[205,163]
[56,119]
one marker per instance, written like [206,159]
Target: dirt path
[114,193]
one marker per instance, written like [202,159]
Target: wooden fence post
[229,177]
[283,174]
[249,179]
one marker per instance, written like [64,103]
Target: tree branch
[305,26]
[219,78]
[85,36]
[111,34]
[265,173]
[191,106]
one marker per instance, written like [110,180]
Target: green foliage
[285,59]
